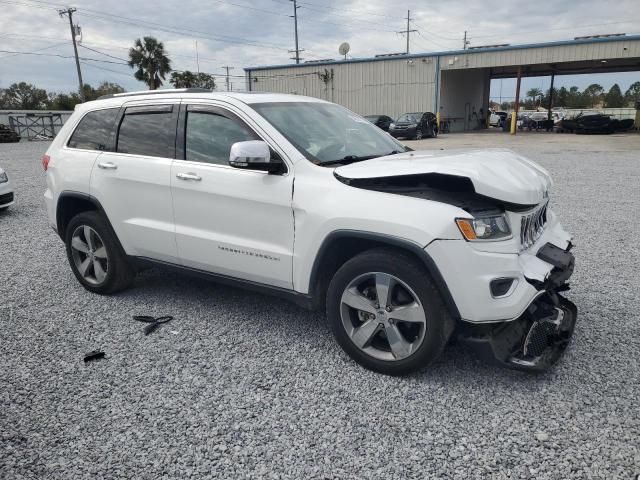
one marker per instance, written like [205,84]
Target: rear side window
[149,131]
[94,130]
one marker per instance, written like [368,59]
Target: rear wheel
[95,256]
[386,312]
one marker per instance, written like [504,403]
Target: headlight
[494,227]
[3,177]
[393,125]
[413,125]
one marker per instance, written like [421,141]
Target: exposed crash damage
[534,259]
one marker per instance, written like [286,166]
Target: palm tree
[534,93]
[148,56]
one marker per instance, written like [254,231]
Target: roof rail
[156,92]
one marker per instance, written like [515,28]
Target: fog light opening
[502,287]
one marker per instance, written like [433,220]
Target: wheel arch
[71,204]
[341,245]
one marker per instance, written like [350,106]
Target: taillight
[45,162]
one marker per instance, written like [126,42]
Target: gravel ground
[241,385]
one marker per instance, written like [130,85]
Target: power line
[39,50]
[105,54]
[61,56]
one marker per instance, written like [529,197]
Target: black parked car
[381,121]
[415,125]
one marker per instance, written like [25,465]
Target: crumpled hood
[496,173]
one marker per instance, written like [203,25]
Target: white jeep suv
[307,200]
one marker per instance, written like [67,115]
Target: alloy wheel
[383,316]
[89,255]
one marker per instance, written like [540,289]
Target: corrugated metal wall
[551,54]
[399,85]
[389,87]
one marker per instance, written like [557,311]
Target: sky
[242,33]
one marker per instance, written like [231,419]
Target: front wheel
[386,312]
[95,256]
[419,134]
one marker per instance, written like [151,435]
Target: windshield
[410,117]
[328,133]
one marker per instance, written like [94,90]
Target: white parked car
[7,197]
[496,119]
[307,200]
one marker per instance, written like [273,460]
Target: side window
[209,136]
[148,131]
[94,130]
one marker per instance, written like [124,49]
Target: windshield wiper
[354,158]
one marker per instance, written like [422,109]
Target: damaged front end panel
[537,339]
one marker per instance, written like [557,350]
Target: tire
[107,269]
[418,135]
[426,333]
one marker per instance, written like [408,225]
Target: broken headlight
[491,227]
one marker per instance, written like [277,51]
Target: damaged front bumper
[537,339]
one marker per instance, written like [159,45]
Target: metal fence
[31,124]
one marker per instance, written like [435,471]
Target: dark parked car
[381,121]
[415,125]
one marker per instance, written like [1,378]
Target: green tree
[149,59]
[67,101]
[23,96]
[533,94]
[594,93]
[108,88]
[63,101]
[632,95]
[614,98]
[576,99]
[562,99]
[189,79]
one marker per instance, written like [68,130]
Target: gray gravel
[246,386]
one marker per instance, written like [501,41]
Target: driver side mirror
[255,155]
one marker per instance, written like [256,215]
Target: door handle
[189,176]
[107,165]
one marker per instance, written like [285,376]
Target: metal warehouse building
[455,84]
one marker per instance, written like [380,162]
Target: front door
[229,221]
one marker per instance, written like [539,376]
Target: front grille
[6,198]
[532,226]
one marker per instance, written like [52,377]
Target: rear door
[132,182]
[229,221]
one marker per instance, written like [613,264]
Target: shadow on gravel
[277,318]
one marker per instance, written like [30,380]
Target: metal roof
[454,52]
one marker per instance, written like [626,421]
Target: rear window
[94,130]
[148,131]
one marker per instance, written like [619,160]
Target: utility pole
[295,24]
[69,13]
[465,42]
[227,81]
[197,58]
[407,32]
